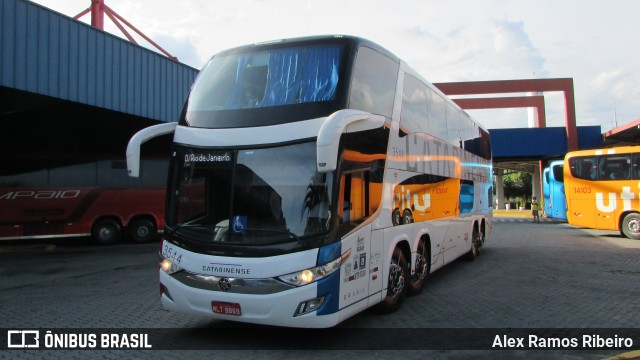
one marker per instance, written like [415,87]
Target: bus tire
[422,266]
[630,226]
[397,283]
[396,217]
[106,231]
[476,243]
[142,230]
[407,217]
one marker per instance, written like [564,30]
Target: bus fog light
[308,306]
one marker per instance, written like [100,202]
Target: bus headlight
[307,276]
[169,267]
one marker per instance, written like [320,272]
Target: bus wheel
[631,226]
[106,231]
[142,230]
[476,243]
[423,260]
[396,218]
[398,280]
[407,217]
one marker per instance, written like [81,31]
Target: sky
[595,42]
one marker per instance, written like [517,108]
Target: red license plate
[226,308]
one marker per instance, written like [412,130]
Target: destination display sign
[207,157]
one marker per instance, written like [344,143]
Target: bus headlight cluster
[169,267]
[307,276]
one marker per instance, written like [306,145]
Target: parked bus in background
[313,178]
[603,189]
[555,202]
[66,198]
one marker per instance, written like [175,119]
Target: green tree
[517,184]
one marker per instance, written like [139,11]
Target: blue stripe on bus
[329,287]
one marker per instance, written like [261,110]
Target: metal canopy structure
[627,134]
[534,101]
[99,9]
[518,86]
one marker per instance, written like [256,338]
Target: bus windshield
[266,78]
[245,198]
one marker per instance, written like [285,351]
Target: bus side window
[636,166]
[413,117]
[602,169]
[583,167]
[355,207]
[374,82]
[354,200]
[615,167]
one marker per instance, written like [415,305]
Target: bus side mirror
[133,148]
[331,130]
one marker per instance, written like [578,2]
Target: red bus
[85,198]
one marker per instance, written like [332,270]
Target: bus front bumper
[278,309]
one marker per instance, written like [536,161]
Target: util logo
[404,199]
[626,196]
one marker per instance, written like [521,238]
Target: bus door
[613,171]
[354,208]
[448,207]
[546,192]
[558,201]
[582,190]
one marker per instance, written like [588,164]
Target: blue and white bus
[555,201]
[313,178]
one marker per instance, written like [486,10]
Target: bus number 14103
[582,190]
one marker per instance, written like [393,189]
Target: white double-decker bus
[313,178]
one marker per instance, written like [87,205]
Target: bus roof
[308,40]
[606,151]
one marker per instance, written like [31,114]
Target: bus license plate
[226,308]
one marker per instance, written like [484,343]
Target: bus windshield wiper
[178,227]
[275,231]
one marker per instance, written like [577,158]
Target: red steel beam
[97,14]
[520,86]
[536,102]
[98,9]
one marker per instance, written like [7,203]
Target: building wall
[48,53]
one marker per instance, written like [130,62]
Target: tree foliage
[517,184]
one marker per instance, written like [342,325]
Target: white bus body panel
[273,134]
[243,268]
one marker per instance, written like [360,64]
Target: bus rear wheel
[476,243]
[106,231]
[407,217]
[398,283]
[631,226]
[423,260]
[142,230]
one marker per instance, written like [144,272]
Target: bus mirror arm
[331,130]
[135,144]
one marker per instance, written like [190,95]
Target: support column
[536,183]
[499,188]
[97,14]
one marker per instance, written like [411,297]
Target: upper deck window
[414,114]
[268,78]
[373,87]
